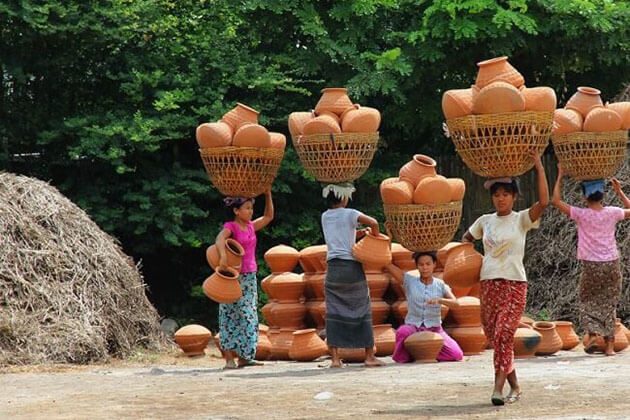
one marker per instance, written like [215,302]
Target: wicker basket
[241,171]
[336,157]
[497,145]
[585,156]
[420,227]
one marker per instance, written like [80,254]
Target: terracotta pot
[461,291]
[361,120]
[584,100]
[320,252]
[400,309]
[377,282]
[444,310]
[380,311]
[457,103]
[458,188]
[316,310]
[497,98]
[463,266]
[308,260]
[602,119]
[297,121]
[234,252]
[314,285]
[624,329]
[402,257]
[223,286]
[567,335]
[287,287]
[432,190]
[282,258]
[289,315]
[251,135]
[621,341]
[193,339]
[468,313]
[498,69]
[551,342]
[395,191]
[263,347]
[335,100]
[239,115]
[264,285]
[475,291]
[424,346]
[472,340]
[277,140]
[281,341]
[384,339]
[323,124]
[217,134]
[623,109]
[307,346]
[541,99]
[373,250]
[417,168]
[526,342]
[442,254]
[566,121]
[267,312]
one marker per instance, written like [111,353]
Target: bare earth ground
[569,385]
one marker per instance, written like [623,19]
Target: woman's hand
[616,185]
[560,170]
[223,261]
[536,157]
[434,301]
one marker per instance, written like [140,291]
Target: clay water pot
[468,313]
[442,254]
[335,100]
[444,310]
[264,285]
[461,291]
[278,140]
[251,135]
[289,315]
[497,98]
[234,253]
[526,341]
[463,266]
[287,287]
[307,346]
[314,285]
[395,191]
[472,340]
[458,188]
[217,134]
[417,168]
[361,120]
[377,282]
[601,120]
[432,190]
[384,339]
[475,291]
[308,259]
[263,347]
[380,311]
[567,334]
[424,346]
[566,121]
[323,124]
[320,252]
[623,109]
[584,100]
[541,99]
[267,312]
[223,286]
[297,121]
[316,310]
[400,309]
[498,69]
[373,251]
[402,257]
[282,258]
[193,339]
[621,341]
[281,341]
[550,342]
[239,115]
[457,103]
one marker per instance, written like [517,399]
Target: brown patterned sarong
[599,291]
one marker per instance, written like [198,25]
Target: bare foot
[374,362]
[229,364]
[610,353]
[336,364]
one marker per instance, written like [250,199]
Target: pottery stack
[585,111]
[313,263]
[463,324]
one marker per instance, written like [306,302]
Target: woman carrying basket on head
[503,278]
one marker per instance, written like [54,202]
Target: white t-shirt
[339,226]
[503,244]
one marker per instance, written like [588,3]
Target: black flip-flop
[497,400]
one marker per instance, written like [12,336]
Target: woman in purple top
[600,282]
[238,322]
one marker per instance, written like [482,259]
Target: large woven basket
[497,145]
[241,171]
[420,227]
[585,155]
[336,157]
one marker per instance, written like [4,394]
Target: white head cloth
[341,191]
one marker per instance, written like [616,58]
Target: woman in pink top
[238,322]
[600,282]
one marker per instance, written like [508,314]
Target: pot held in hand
[373,251]
[223,286]
[234,253]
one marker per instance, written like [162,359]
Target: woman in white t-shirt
[503,279]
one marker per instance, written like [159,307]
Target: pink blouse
[247,239]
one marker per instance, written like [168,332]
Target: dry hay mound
[551,257]
[67,291]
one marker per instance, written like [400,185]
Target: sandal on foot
[497,399]
[511,398]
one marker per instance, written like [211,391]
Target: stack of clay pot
[334,113]
[586,112]
[463,324]
[193,339]
[223,286]
[419,183]
[239,128]
[313,263]
[499,88]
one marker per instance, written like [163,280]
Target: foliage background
[101,98]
